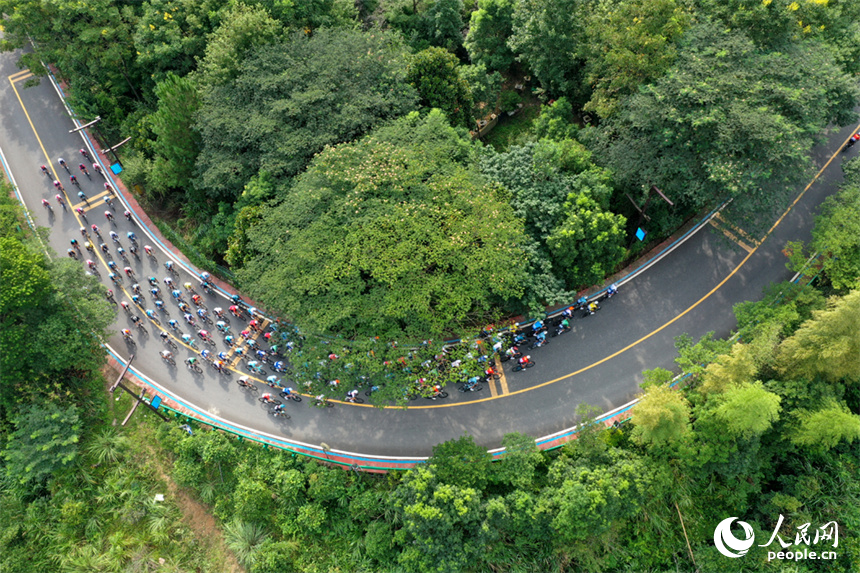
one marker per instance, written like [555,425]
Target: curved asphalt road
[694,288]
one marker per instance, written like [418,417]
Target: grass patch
[512,130]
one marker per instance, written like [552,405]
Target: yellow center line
[492,384]
[22,75]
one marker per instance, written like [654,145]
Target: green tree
[662,416]
[546,38]
[461,462]
[518,465]
[440,523]
[827,345]
[748,409]
[824,428]
[291,99]
[485,88]
[177,142]
[435,75]
[172,34]
[721,123]
[836,234]
[45,440]
[443,22]
[243,28]
[589,242]
[556,121]
[489,29]
[380,238]
[630,43]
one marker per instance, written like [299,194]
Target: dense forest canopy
[229,104]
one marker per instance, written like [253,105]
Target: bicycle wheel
[517,368]
[530,364]
[172,344]
[279,414]
[197,369]
[130,341]
[358,400]
[295,398]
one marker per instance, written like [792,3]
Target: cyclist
[204,334]
[176,294]
[267,336]
[253,325]
[524,360]
[164,336]
[126,333]
[244,381]
[350,396]
[196,299]
[133,249]
[273,381]
[166,355]
[159,304]
[592,307]
[541,337]
[567,313]
[73,254]
[187,286]
[169,266]
[109,295]
[201,312]
[109,188]
[246,334]
[565,324]
[155,292]
[58,185]
[135,319]
[62,163]
[85,154]
[236,299]
[121,252]
[129,271]
[96,230]
[150,313]
[153,281]
[60,201]
[222,356]
[204,276]
[104,248]
[136,298]
[188,318]
[90,247]
[287,392]
[228,340]
[97,168]
[254,366]
[80,211]
[127,215]
[219,312]
[234,310]
[512,351]
[187,340]
[279,408]
[184,307]
[131,236]
[206,354]
[190,362]
[135,288]
[266,398]
[173,324]
[611,290]
[109,201]
[44,170]
[125,306]
[46,204]
[83,168]
[113,235]
[91,264]
[74,180]
[148,250]
[278,366]
[83,197]
[109,216]
[218,365]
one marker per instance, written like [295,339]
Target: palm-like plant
[107,446]
[244,539]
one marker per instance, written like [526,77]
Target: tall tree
[435,75]
[728,121]
[661,417]
[293,98]
[836,235]
[443,24]
[177,142]
[489,29]
[827,345]
[45,440]
[387,236]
